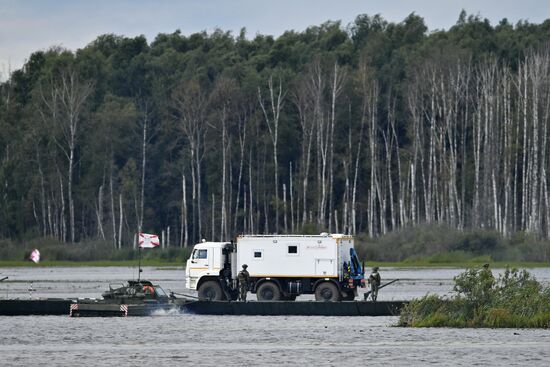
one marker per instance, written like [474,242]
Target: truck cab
[204,263]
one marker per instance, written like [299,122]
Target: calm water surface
[185,339]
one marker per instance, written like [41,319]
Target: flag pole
[139,264]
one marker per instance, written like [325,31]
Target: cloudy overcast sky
[30,25]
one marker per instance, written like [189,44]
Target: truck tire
[211,291]
[327,292]
[268,291]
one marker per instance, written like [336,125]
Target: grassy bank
[426,263]
[93,253]
[128,263]
[514,300]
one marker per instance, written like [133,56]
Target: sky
[27,26]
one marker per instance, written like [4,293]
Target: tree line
[364,128]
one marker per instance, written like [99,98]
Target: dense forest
[364,128]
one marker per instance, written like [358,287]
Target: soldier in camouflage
[244,280]
[374,280]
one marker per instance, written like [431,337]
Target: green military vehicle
[136,298]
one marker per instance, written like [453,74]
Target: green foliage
[136,81]
[515,300]
[453,256]
[52,250]
[310,228]
[443,244]
[476,286]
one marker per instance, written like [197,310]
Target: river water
[185,339]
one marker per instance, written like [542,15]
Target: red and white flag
[148,240]
[35,256]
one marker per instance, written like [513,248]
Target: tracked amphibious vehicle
[136,298]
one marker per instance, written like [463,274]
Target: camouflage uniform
[374,280]
[244,279]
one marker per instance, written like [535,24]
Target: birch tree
[189,103]
[271,108]
[63,104]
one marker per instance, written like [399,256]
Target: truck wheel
[327,292]
[268,291]
[211,291]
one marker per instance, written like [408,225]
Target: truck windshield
[199,254]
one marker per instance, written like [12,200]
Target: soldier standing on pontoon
[244,280]
[374,281]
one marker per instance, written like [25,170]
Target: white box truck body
[280,267]
[293,256]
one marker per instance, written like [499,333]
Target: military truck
[281,267]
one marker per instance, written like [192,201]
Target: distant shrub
[449,257]
[478,242]
[53,250]
[310,228]
[443,244]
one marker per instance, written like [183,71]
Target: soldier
[374,280]
[244,279]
